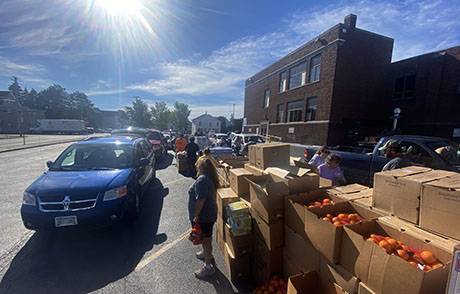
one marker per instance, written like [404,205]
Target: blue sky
[195,51]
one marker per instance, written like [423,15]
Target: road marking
[149,259]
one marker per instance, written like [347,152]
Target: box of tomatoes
[390,256]
[324,225]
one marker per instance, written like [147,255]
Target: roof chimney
[350,20]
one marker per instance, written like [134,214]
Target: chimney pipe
[350,20]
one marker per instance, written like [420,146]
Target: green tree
[139,114]
[180,116]
[55,101]
[161,116]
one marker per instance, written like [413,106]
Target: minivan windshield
[94,157]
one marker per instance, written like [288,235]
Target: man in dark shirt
[192,148]
[392,149]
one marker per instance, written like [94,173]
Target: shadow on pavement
[84,261]
[164,161]
[223,285]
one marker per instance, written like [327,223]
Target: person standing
[331,170]
[180,144]
[392,149]
[192,148]
[206,155]
[203,211]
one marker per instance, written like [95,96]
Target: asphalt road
[151,256]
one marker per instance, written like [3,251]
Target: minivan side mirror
[49,163]
[144,161]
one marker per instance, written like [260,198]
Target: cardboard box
[225,196]
[237,267]
[220,226]
[384,273]
[326,237]
[289,266]
[311,283]
[238,245]
[252,154]
[335,274]
[272,155]
[297,179]
[238,182]
[253,169]
[300,251]
[220,242]
[325,183]
[267,197]
[367,203]
[272,234]
[453,286]
[265,262]
[238,218]
[352,192]
[440,207]
[398,191]
[364,289]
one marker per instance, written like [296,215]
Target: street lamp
[396,116]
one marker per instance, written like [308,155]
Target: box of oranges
[390,257]
[324,225]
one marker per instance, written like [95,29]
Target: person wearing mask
[180,144]
[319,157]
[331,170]
[392,149]
[192,148]
[203,211]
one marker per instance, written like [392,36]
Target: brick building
[427,90]
[335,89]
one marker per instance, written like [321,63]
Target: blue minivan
[93,182]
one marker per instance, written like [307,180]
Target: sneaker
[200,255]
[205,272]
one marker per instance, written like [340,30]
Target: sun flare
[120,7]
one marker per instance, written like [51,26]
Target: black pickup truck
[359,163]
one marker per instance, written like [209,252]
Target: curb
[39,145]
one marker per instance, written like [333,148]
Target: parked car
[360,164]
[244,141]
[93,182]
[154,137]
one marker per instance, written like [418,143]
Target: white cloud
[216,110]
[30,74]
[417,27]
[105,92]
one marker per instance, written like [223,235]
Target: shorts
[206,229]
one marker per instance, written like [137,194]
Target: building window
[199,123]
[404,87]
[283,81]
[267,98]
[297,75]
[280,113]
[315,68]
[312,104]
[295,109]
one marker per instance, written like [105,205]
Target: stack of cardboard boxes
[291,233]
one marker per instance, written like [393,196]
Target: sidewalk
[14,142]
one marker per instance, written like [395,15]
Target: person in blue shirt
[202,210]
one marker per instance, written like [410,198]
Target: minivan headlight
[28,199]
[116,193]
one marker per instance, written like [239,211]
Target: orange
[342,216]
[428,257]
[436,265]
[392,242]
[337,224]
[385,245]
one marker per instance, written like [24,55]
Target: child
[319,157]
[330,170]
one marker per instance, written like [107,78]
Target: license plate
[64,221]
